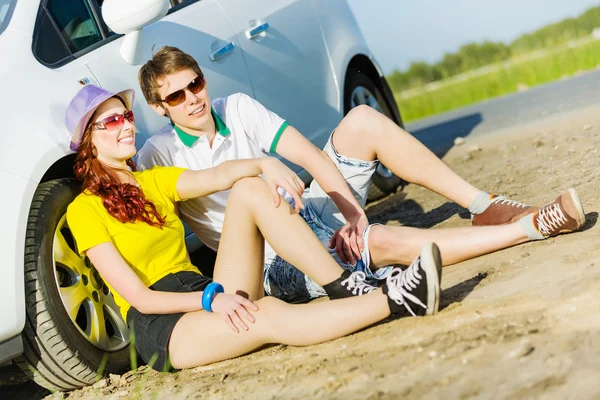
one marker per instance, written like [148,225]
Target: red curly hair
[123,201]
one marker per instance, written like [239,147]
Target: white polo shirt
[245,129]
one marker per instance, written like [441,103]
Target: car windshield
[6,8]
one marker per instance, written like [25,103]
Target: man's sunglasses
[178,97]
[115,121]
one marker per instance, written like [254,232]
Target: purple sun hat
[83,105]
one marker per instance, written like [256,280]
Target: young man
[203,134]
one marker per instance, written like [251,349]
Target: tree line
[475,55]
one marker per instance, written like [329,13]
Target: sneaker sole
[577,202]
[431,263]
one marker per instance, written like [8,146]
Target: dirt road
[519,323]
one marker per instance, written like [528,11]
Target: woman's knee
[246,185]
[248,189]
[271,317]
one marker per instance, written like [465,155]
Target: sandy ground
[519,323]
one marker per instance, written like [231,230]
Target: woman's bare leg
[201,338]
[400,245]
[250,217]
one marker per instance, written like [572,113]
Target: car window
[179,4]
[64,27]
[175,3]
[6,7]
[74,19]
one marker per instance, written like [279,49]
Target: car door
[196,27]
[287,62]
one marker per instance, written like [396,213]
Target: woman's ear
[158,109]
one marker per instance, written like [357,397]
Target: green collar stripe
[186,138]
[189,140]
[221,127]
[275,141]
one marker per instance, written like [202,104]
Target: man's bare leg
[400,245]
[366,134]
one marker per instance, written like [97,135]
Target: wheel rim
[85,296]
[361,95]
[384,171]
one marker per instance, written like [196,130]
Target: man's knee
[362,112]
[383,242]
[357,120]
[356,135]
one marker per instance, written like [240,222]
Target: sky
[399,32]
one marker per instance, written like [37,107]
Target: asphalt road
[438,133]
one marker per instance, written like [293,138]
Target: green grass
[546,68]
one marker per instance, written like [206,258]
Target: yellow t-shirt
[151,252]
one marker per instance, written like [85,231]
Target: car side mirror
[129,18]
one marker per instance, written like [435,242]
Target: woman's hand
[232,308]
[278,175]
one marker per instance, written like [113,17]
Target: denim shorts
[286,282]
[152,332]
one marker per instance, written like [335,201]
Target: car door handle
[257,30]
[222,52]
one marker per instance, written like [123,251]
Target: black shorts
[152,332]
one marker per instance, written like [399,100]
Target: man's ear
[158,109]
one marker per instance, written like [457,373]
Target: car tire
[57,354]
[360,89]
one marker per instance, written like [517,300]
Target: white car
[304,59]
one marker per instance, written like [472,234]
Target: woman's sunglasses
[178,97]
[115,121]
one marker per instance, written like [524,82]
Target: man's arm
[294,147]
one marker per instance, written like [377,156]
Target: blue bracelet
[209,294]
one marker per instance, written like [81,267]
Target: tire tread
[48,359]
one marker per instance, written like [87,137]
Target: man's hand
[348,240]
[277,175]
[232,307]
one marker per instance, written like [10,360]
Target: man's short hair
[167,60]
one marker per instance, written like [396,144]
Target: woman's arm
[116,272]
[222,177]
[201,183]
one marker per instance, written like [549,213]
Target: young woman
[126,223]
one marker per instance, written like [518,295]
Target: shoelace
[401,283]
[502,200]
[550,219]
[356,283]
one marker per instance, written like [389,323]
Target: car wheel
[361,90]
[73,330]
